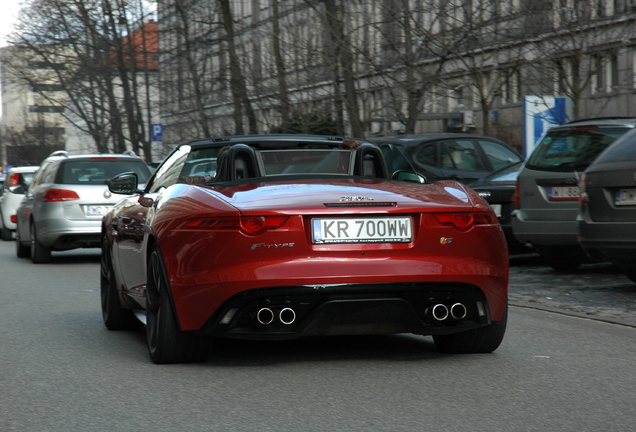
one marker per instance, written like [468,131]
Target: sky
[8,16]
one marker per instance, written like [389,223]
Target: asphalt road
[61,370]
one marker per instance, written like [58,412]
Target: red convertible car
[284,236]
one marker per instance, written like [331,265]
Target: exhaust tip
[439,312]
[458,311]
[287,316]
[265,316]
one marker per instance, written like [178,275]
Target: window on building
[599,74]
[46,65]
[46,87]
[613,71]
[46,109]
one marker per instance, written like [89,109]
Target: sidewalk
[594,291]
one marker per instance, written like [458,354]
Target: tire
[480,340]
[39,253]
[5,233]
[21,250]
[166,342]
[115,317]
[562,259]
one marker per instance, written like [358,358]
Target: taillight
[465,221]
[251,225]
[15,180]
[515,196]
[54,195]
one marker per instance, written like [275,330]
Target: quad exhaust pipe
[441,312]
[266,316]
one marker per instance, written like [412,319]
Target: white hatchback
[15,186]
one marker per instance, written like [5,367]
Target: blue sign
[541,114]
[157,132]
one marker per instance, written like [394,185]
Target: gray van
[547,193]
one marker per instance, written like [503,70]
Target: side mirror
[125,184]
[408,176]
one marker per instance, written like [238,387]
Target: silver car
[547,193]
[65,203]
[15,186]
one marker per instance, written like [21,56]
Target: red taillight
[515,197]
[465,221]
[251,225]
[54,195]
[15,180]
[14,218]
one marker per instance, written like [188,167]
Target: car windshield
[572,148]
[99,170]
[301,161]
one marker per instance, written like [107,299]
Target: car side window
[45,174]
[427,155]
[461,155]
[498,155]
[169,172]
[395,160]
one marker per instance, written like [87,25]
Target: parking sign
[157,132]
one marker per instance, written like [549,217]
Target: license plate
[564,193]
[497,209]
[93,210]
[625,197]
[362,230]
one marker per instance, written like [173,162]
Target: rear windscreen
[99,171]
[572,149]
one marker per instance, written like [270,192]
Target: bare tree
[88,46]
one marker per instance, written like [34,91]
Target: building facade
[370,67]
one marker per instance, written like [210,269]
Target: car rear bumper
[64,235]
[611,241]
[290,312]
[548,232]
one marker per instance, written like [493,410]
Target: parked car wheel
[166,343]
[5,233]
[21,250]
[115,317]
[480,340]
[40,254]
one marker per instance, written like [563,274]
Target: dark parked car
[285,236]
[499,189]
[548,187]
[447,156]
[607,219]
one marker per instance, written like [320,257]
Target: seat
[237,162]
[370,162]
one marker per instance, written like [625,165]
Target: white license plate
[93,210]
[497,209]
[625,197]
[362,230]
[564,193]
